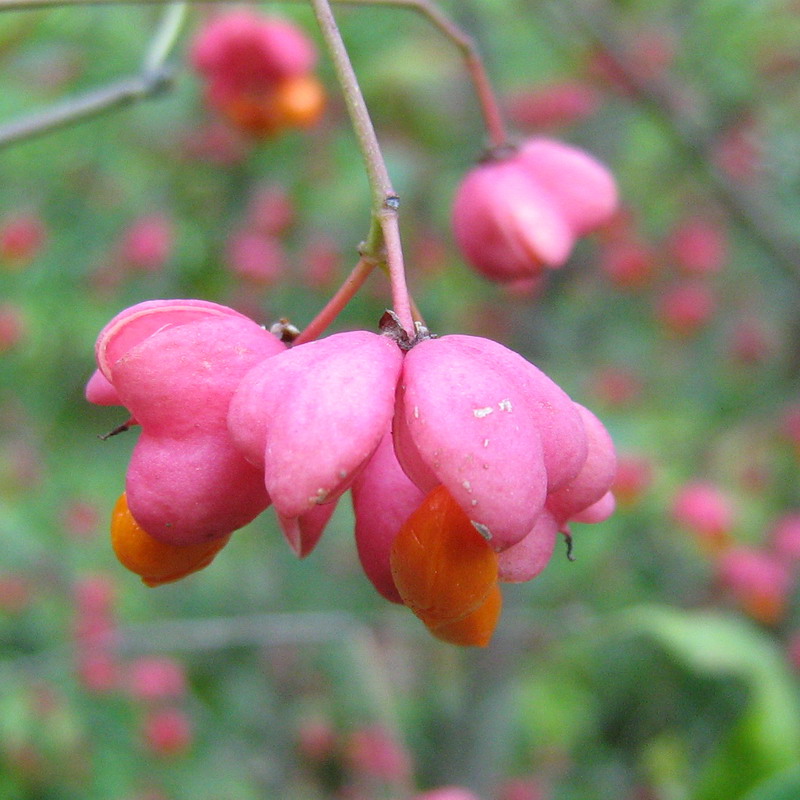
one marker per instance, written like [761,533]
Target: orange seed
[155,561]
[442,567]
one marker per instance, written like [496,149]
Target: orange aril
[300,101]
[255,114]
[293,103]
[442,567]
[155,561]
[764,608]
[476,629]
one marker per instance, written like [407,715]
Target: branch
[155,78]
[242,631]
[464,43]
[385,203]
[115,95]
[354,281]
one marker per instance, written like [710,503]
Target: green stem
[165,37]
[354,281]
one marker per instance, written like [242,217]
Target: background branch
[464,43]
[76,109]
[155,78]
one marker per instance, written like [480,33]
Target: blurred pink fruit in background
[698,246]
[373,750]
[151,678]
[22,236]
[686,308]
[255,257]
[521,213]
[167,732]
[147,243]
[551,105]
[758,580]
[705,510]
[13,326]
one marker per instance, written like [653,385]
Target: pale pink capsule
[303,532]
[175,365]
[134,324]
[583,188]
[524,560]
[557,419]
[461,422]
[137,322]
[596,476]
[186,481]
[100,391]
[314,416]
[383,499]
[507,225]
[598,511]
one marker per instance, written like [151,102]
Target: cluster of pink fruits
[232,420]
[465,460]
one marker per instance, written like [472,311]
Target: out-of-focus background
[663,664]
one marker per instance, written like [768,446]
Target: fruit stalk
[385,202]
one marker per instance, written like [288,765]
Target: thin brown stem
[354,281]
[385,202]
[487,99]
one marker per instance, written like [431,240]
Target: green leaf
[785,786]
[766,738]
